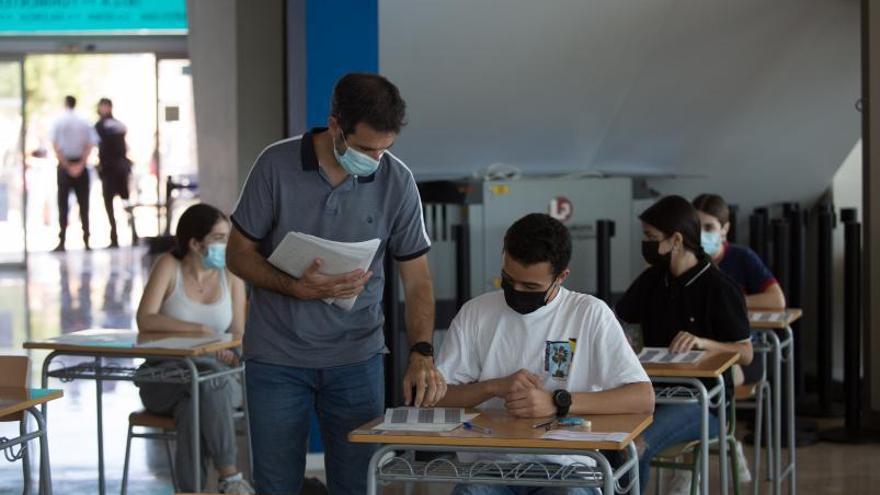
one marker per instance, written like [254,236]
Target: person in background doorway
[114,167]
[72,138]
[191,291]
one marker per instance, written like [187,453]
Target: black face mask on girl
[651,253]
[524,302]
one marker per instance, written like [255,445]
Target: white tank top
[217,315]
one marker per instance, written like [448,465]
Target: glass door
[13,249]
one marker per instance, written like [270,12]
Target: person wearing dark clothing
[114,167]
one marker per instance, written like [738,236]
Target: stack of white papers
[298,251]
[662,355]
[430,419]
[757,316]
[584,436]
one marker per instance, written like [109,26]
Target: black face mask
[651,253]
[521,301]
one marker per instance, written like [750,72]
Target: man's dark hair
[195,223]
[536,238]
[714,205]
[368,98]
[105,101]
[70,101]
[675,214]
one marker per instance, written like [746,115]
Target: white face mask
[711,242]
[355,162]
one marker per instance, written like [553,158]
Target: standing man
[72,139]
[114,167]
[340,183]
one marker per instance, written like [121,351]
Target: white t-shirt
[574,343]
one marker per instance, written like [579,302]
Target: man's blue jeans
[519,490]
[280,399]
[673,424]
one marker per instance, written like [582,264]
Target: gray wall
[236,48]
[756,97]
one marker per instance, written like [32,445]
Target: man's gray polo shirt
[287,191]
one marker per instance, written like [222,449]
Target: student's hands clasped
[684,342]
[315,285]
[429,384]
[524,396]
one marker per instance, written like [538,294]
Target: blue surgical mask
[215,257]
[354,162]
[711,242]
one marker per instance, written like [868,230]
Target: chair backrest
[14,374]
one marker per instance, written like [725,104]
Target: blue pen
[472,427]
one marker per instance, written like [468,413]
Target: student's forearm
[161,323]
[420,312]
[772,298]
[634,398]
[470,395]
[744,349]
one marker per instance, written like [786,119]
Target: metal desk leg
[99,392]
[45,471]
[44,380]
[704,440]
[777,413]
[608,481]
[25,458]
[634,470]
[792,442]
[722,435]
[373,470]
[196,426]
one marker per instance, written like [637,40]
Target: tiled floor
[77,290]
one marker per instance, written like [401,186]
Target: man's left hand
[428,381]
[530,403]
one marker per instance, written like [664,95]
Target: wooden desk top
[510,432]
[763,319]
[712,365]
[129,343]
[13,400]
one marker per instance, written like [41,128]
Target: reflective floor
[62,293]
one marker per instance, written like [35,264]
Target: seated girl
[683,302]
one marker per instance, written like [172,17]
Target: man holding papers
[341,185]
[537,349]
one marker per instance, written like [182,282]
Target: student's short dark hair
[536,238]
[70,101]
[714,205]
[368,98]
[675,214]
[105,101]
[195,223]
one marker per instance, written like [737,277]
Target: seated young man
[535,345]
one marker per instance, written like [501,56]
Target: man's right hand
[315,285]
[521,380]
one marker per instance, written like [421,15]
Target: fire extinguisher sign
[561,208]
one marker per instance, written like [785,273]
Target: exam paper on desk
[297,251]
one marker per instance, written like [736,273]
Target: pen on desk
[544,424]
[482,429]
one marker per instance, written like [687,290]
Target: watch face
[562,398]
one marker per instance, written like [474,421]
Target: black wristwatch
[562,401]
[423,348]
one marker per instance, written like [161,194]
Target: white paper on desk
[181,342]
[766,316]
[298,251]
[427,419]
[662,355]
[584,436]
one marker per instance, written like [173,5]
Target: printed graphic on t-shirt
[558,356]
